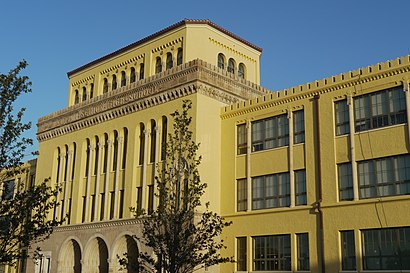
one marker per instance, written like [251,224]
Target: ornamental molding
[230,49]
[195,76]
[166,45]
[122,64]
[99,225]
[84,80]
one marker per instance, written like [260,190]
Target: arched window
[87,156]
[97,154]
[170,62]
[179,56]
[105,86]
[142,143]
[73,164]
[105,153]
[221,61]
[164,137]
[141,71]
[114,82]
[84,94]
[123,79]
[92,91]
[241,71]
[231,66]
[133,76]
[76,97]
[158,65]
[115,151]
[125,146]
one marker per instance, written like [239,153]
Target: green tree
[183,235]
[23,210]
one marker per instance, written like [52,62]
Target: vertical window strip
[302,241]
[345,179]
[299,127]
[241,258]
[348,250]
[242,141]
[242,194]
[300,187]
[342,117]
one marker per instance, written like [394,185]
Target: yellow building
[315,178]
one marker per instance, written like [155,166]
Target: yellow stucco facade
[310,176]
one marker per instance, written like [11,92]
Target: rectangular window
[386,249]
[242,139]
[345,181]
[121,203]
[380,109]
[139,200]
[300,187]
[384,177]
[299,127]
[150,199]
[271,253]
[112,207]
[348,250]
[342,117]
[241,254]
[102,208]
[302,241]
[271,191]
[8,190]
[242,195]
[270,133]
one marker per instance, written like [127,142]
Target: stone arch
[96,256]
[69,259]
[125,246]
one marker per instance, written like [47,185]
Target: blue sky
[302,40]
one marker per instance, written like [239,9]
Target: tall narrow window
[272,253]
[92,207]
[76,97]
[299,126]
[133,75]
[91,91]
[179,56]
[66,164]
[102,207]
[105,86]
[121,204]
[242,139]
[123,79]
[241,71]
[164,137]
[115,151]
[8,190]
[153,141]
[114,82]
[300,187]
[141,71]
[302,241]
[150,199]
[221,61]
[242,195]
[170,62]
[342,117]
[142,143]
[58,164]
[125,147]
[348,250]
[139,200]
[97,154]
[84,94]
[112,202]
[345,181]
[105,153]
[241,254]
[83,212]
[231,66]
[73,161]
[158,65]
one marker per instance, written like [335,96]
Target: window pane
[303,251]
[345,181]
[242,195]
[241,254]
[300,187]
[242,139]
[299,127]
[272,253]
[342,117]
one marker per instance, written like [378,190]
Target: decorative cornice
[350,79]
[164,46]
[195,76]
[238,53]
[120,65]
[99,225]
[86,79]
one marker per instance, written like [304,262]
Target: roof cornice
[159,33]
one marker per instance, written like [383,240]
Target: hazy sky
[302,40]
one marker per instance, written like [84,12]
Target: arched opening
[158,65]
[153,141]
[170,62]
[105,86]
[142,143]
[141,71]
[126,247]
[76,97]
[133,75]
[241,71]
[179,56]
[221,61]
[96,256]
[69,260]
[231,66]
[164,137]
[91,91]
[123,79]
[114,82]
[84,94]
